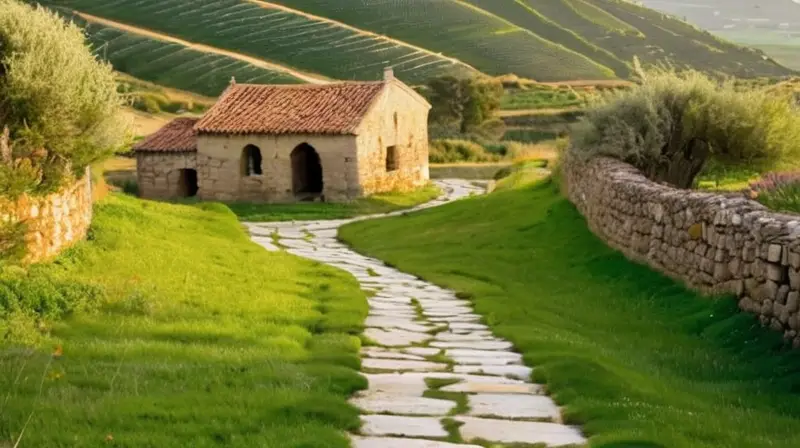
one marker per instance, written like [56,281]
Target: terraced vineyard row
[546,40]
[452,27]
[685,45]
[276,35]
[600,17]
[174,65]
[593,29]
[528,18]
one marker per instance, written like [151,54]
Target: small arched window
[251,161]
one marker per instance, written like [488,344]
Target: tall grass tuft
[778,191]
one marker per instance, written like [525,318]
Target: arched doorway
[187,183]
[306,171]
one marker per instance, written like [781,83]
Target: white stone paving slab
[399,365]
[387,402]
[396,338]
[379,352]
[392,425]
[467,326]
[513,406]
[507,431]
[483,361]
[478,345]
[472,387]
[400,442]
[422,351]
[520,372]
[400,384]
[459,318]
[467,336]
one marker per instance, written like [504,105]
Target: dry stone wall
[715,243]
[53,222]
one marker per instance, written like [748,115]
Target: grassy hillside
[633,357]
[545,40]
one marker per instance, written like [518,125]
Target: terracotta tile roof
[176,136]
[290,109]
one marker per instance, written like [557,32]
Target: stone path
[435,372]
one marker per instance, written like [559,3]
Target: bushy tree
[674,125]
[464,104]
[58,101]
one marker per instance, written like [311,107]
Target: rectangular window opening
[391,158]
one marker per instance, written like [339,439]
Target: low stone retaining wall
[53,222]
[715,243]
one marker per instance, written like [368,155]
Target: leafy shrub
[59,102]
[146,103]
[778,191]
[45,296]
[453,151]
[19,176]
[28,299]
[673,124]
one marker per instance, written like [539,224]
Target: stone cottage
[282,143]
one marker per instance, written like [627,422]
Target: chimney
[388,74]
[233,80]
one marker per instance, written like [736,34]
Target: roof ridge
[311,86]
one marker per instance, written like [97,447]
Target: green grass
[635,358]
[473,171]
[540,98]
[522,174]
[737,180]
[375,204]
[199,338]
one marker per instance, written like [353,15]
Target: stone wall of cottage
[51,223]
[221,173]
[399,120]
[715,243]
[160,175]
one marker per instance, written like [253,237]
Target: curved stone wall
[53,222]
[712,242]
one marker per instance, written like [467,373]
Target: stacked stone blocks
[52,222]
[716,243]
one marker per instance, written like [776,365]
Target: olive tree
[464,105]
[674,125]
[58,102]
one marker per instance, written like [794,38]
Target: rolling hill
[197,45]
[770,25]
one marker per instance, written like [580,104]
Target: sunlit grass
[202,339]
